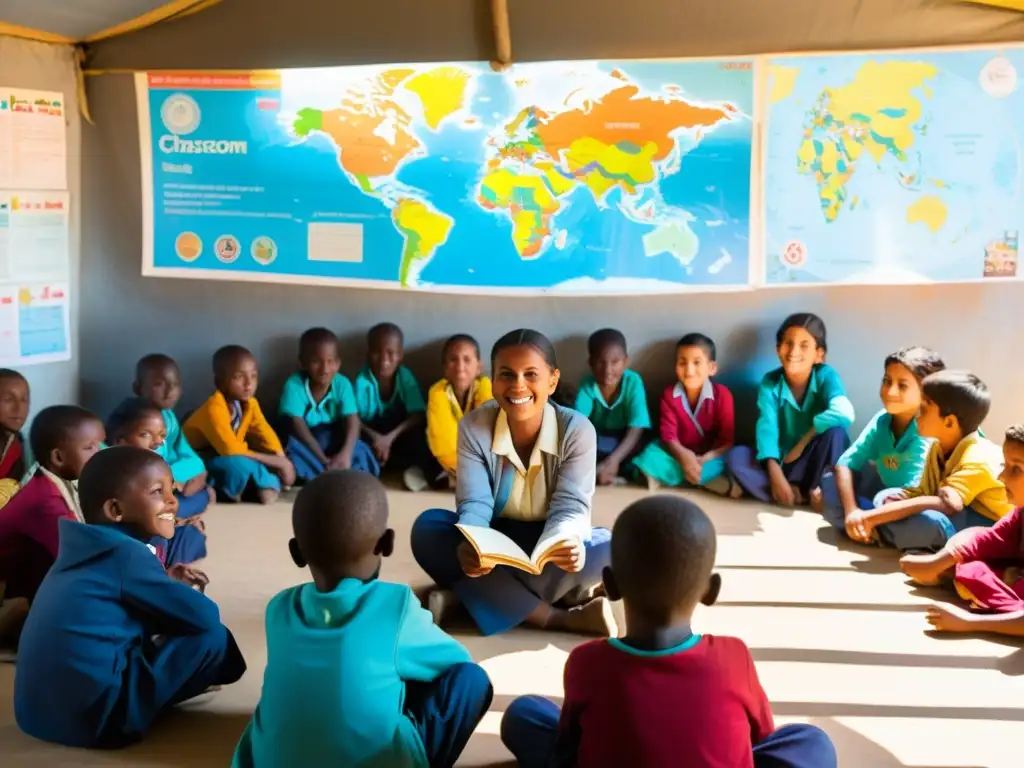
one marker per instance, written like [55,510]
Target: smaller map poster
[572,177]
[894,167]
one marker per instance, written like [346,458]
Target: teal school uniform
[612,420]
[298,402]
[176,451]
[411,448]
[346,671]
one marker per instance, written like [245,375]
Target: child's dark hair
[601,340]
[128,414]
[151,363]
[960,394]
[663,552]
[10,373]
[920,361]
[381,331]
[314,338]
[107,474]
[810,322]
[1015,434]
[525,337]
[699,340]
[225,358]
[459,338]
[51,427]
[339,517]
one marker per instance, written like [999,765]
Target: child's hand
[470,561]
[382,447]
[692,468]
[343,460]
[286,471]
[195,485]
[794,453]
[859,526]
[782,491]
[186,574]
[949,618]
[607,471]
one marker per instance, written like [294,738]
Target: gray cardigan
[571,475]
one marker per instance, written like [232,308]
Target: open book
[495,548]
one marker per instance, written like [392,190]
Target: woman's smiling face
[523,382]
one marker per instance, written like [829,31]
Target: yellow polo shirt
[972,470]
[444,414]
[209,426]
[531,490]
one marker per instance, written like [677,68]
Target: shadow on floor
[847,709]
[849,742]
[1011,666]
[878,560]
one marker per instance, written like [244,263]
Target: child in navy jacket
[112,640]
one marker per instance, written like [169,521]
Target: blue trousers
[190,506]
[447,711]
[308,466]
[410,449]
[506,596]
[866,485]
[820,455]
[231,475]
[929,530]
[186,546]
[166,672]
[529,730]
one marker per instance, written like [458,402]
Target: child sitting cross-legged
[697,424]
[241,449]
[158,380]
[987,563]
[889,453]
[63,438]
[357,674]
[319,418]
[614,399]
[112,641]
[141,424]
[959,486]
[662,695]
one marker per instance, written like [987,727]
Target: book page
[490,542]
[553,538]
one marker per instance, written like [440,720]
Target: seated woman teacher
[526,467]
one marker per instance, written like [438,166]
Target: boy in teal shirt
[889,453]
[318,413]
[357,672]
[392,410]
[614,399]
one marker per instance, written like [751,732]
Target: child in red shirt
[661,695]
[697,424]
[13,412]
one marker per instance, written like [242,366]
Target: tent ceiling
[74,19]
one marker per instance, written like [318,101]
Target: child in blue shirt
[614,399]
[319,417]
[158,380]
[357,673]
[392,411]
[889,453]
[112,640]
[803,418]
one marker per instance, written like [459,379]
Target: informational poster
[33,140]
[34,278]
[582,177]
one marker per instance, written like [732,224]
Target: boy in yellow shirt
[959,487]
[463,388]
[230,432]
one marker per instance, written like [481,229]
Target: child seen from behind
[463,388]
[357,673]
[802,422]
[696,426]
[614,399]
[320,420]
[112,642]
[662,695]
[959,486]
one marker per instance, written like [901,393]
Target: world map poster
[893,168]
[571,177]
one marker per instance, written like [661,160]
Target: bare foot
[594,618]
[652,484]
[925,570]
[798,497]
[817,500]
[212,494]
[719,485]
[268,495]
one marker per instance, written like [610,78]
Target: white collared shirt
[529,496]
[707,392]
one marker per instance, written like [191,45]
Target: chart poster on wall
[34,278]
[576,178]
[33,139]
[888,168]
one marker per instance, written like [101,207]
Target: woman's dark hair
[810,322]
[524,337]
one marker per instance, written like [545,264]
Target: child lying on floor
[988,563]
